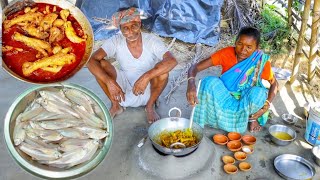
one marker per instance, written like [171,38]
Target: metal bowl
[82,20]
[289,118]
[45,171]
[282,128]
[316,154]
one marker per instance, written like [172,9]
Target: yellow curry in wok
[187,137]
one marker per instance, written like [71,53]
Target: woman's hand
[115,91]
[140,85]
[260,112]
[192,93]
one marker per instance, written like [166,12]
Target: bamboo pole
[290,12]
[314,38]
[298,52]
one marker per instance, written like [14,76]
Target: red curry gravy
[15,59]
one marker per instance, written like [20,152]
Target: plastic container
[312,134]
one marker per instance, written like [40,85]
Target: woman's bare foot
[152,115]
[115,110]
[254,126]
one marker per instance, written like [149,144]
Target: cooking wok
[86,27]
[172,124]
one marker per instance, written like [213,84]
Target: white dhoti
[126,84]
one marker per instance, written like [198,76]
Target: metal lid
[291,166]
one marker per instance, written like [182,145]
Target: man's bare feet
[152,115]
[254,126]
[115,110]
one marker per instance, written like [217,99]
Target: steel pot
[173,124]
[45,171]
[83,21]
[282,128]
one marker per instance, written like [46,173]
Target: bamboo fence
[314,51]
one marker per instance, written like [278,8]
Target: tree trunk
[300,42]
[290,13]
[314,39]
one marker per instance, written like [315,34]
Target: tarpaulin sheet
[193,21]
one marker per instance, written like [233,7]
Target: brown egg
[247,149]
[234,136]
[230,168]
[228,160]
[240,156]
[249,139]
[244,166]
[220,139]
[234,145]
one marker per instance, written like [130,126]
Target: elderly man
[144,63]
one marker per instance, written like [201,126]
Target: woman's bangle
[269,103]
[252,120]
[191,77]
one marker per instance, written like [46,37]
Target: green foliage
[274,30]
[297,6]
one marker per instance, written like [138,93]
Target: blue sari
[227,102]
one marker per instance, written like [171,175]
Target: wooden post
[290,13]
[314,38]
[300,42]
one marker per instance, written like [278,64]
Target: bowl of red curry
[45,41]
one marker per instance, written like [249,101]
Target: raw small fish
[75,142]
[59,97]
[80,98]
[73,133]
[47,134]
[69,148]
[42,149]
[18,119]
[52,106]
[97,110]
[27,115]
[93,133]
[19,133]
[59,123]
[89,119]
[38,154]
[30,141]
[31,134]
[91,149]
[50,116]
[35,125]
[70,157]
[39,143]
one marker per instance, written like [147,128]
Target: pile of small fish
[60,128]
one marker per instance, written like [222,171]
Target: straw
[194,107]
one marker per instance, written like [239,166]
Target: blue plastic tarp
[192,21]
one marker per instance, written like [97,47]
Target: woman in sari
[237,99]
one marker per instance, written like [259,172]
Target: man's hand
[115,91]
[140,85]
[260,112]
[192,94]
